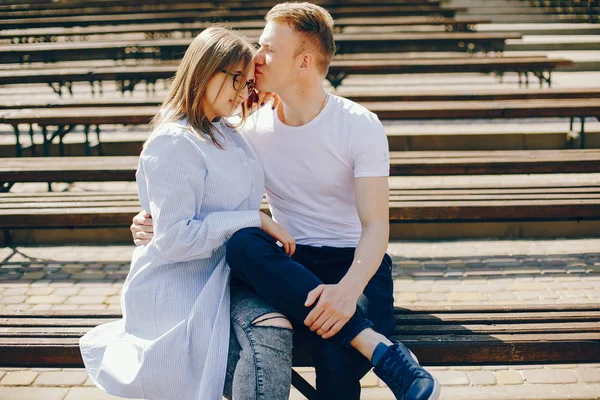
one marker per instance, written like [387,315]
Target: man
[326,163]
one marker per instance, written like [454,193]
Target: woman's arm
[174,173]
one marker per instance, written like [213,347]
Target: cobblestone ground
[448,273]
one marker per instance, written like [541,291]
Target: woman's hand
[258,100]
[278,233]
[142,229]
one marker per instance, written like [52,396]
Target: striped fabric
[173,338]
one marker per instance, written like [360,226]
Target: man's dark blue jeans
[285,282]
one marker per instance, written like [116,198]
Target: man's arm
[337,303]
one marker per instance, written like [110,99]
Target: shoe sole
[436,390]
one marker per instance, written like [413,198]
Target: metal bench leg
[303,387]
[86,131]
[6,186]
[46,145]
[19,149]
[33,150]
[99,145]
[582,133]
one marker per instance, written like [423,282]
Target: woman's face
[222,98]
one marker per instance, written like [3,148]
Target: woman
[201,182]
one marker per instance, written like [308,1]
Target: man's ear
[306,60]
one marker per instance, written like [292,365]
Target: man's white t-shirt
[310,169]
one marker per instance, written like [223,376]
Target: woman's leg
[260,359]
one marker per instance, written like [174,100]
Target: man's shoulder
[351,110]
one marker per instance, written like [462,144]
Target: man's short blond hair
[313,22]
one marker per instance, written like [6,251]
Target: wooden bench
[408,163]
[361,96]
[170,49]
[65,119]
[128,77]
[561,202]
[451,335]
[212,15]
[441,336]
[166,30]
[251,9]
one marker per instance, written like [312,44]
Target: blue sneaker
[400,370]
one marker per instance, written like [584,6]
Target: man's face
[276,58]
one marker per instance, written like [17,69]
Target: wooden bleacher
[161,30]
[560,196]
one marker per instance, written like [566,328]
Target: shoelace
[395,367]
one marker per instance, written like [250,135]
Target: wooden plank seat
[260,8]
[427,204]
[165,30]
[361,96]
[169,49]
[65,119]
[128,77]
[409,163]
[438,336]
[222,14]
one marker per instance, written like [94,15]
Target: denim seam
[259,382]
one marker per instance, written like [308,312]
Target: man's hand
[336,305]
[258,99]
[142,229]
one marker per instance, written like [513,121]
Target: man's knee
[242,242]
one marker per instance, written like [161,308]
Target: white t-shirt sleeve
[369,148]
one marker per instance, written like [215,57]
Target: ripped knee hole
[273,319]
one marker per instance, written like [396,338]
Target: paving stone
[434,265]
[2,373]
[502,296]
[99,291]
[494,367]
[12,299]
[587,375]
[32,393]
[509,377]
[89,383]
[85,300]
[562,366]
[405,297]
[92,307]
[451,378]
[432,297]
[501,262]
[40,283]
[466,288]
[66,291]
[33,275]
[549,376]
[18,307]
[369,380]
[524,367]
[571,294]
[88,276]
[88,393]
[525,287]
[467,368]
[482,378]
[51,299]
[527,295]
[61,378]
[19,378]
[16,291]
[44,290]
[521,392]
[463,297]
[407,264]
[41,307]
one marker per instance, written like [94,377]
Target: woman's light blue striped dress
[173,338]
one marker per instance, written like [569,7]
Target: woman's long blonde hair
[216,48]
